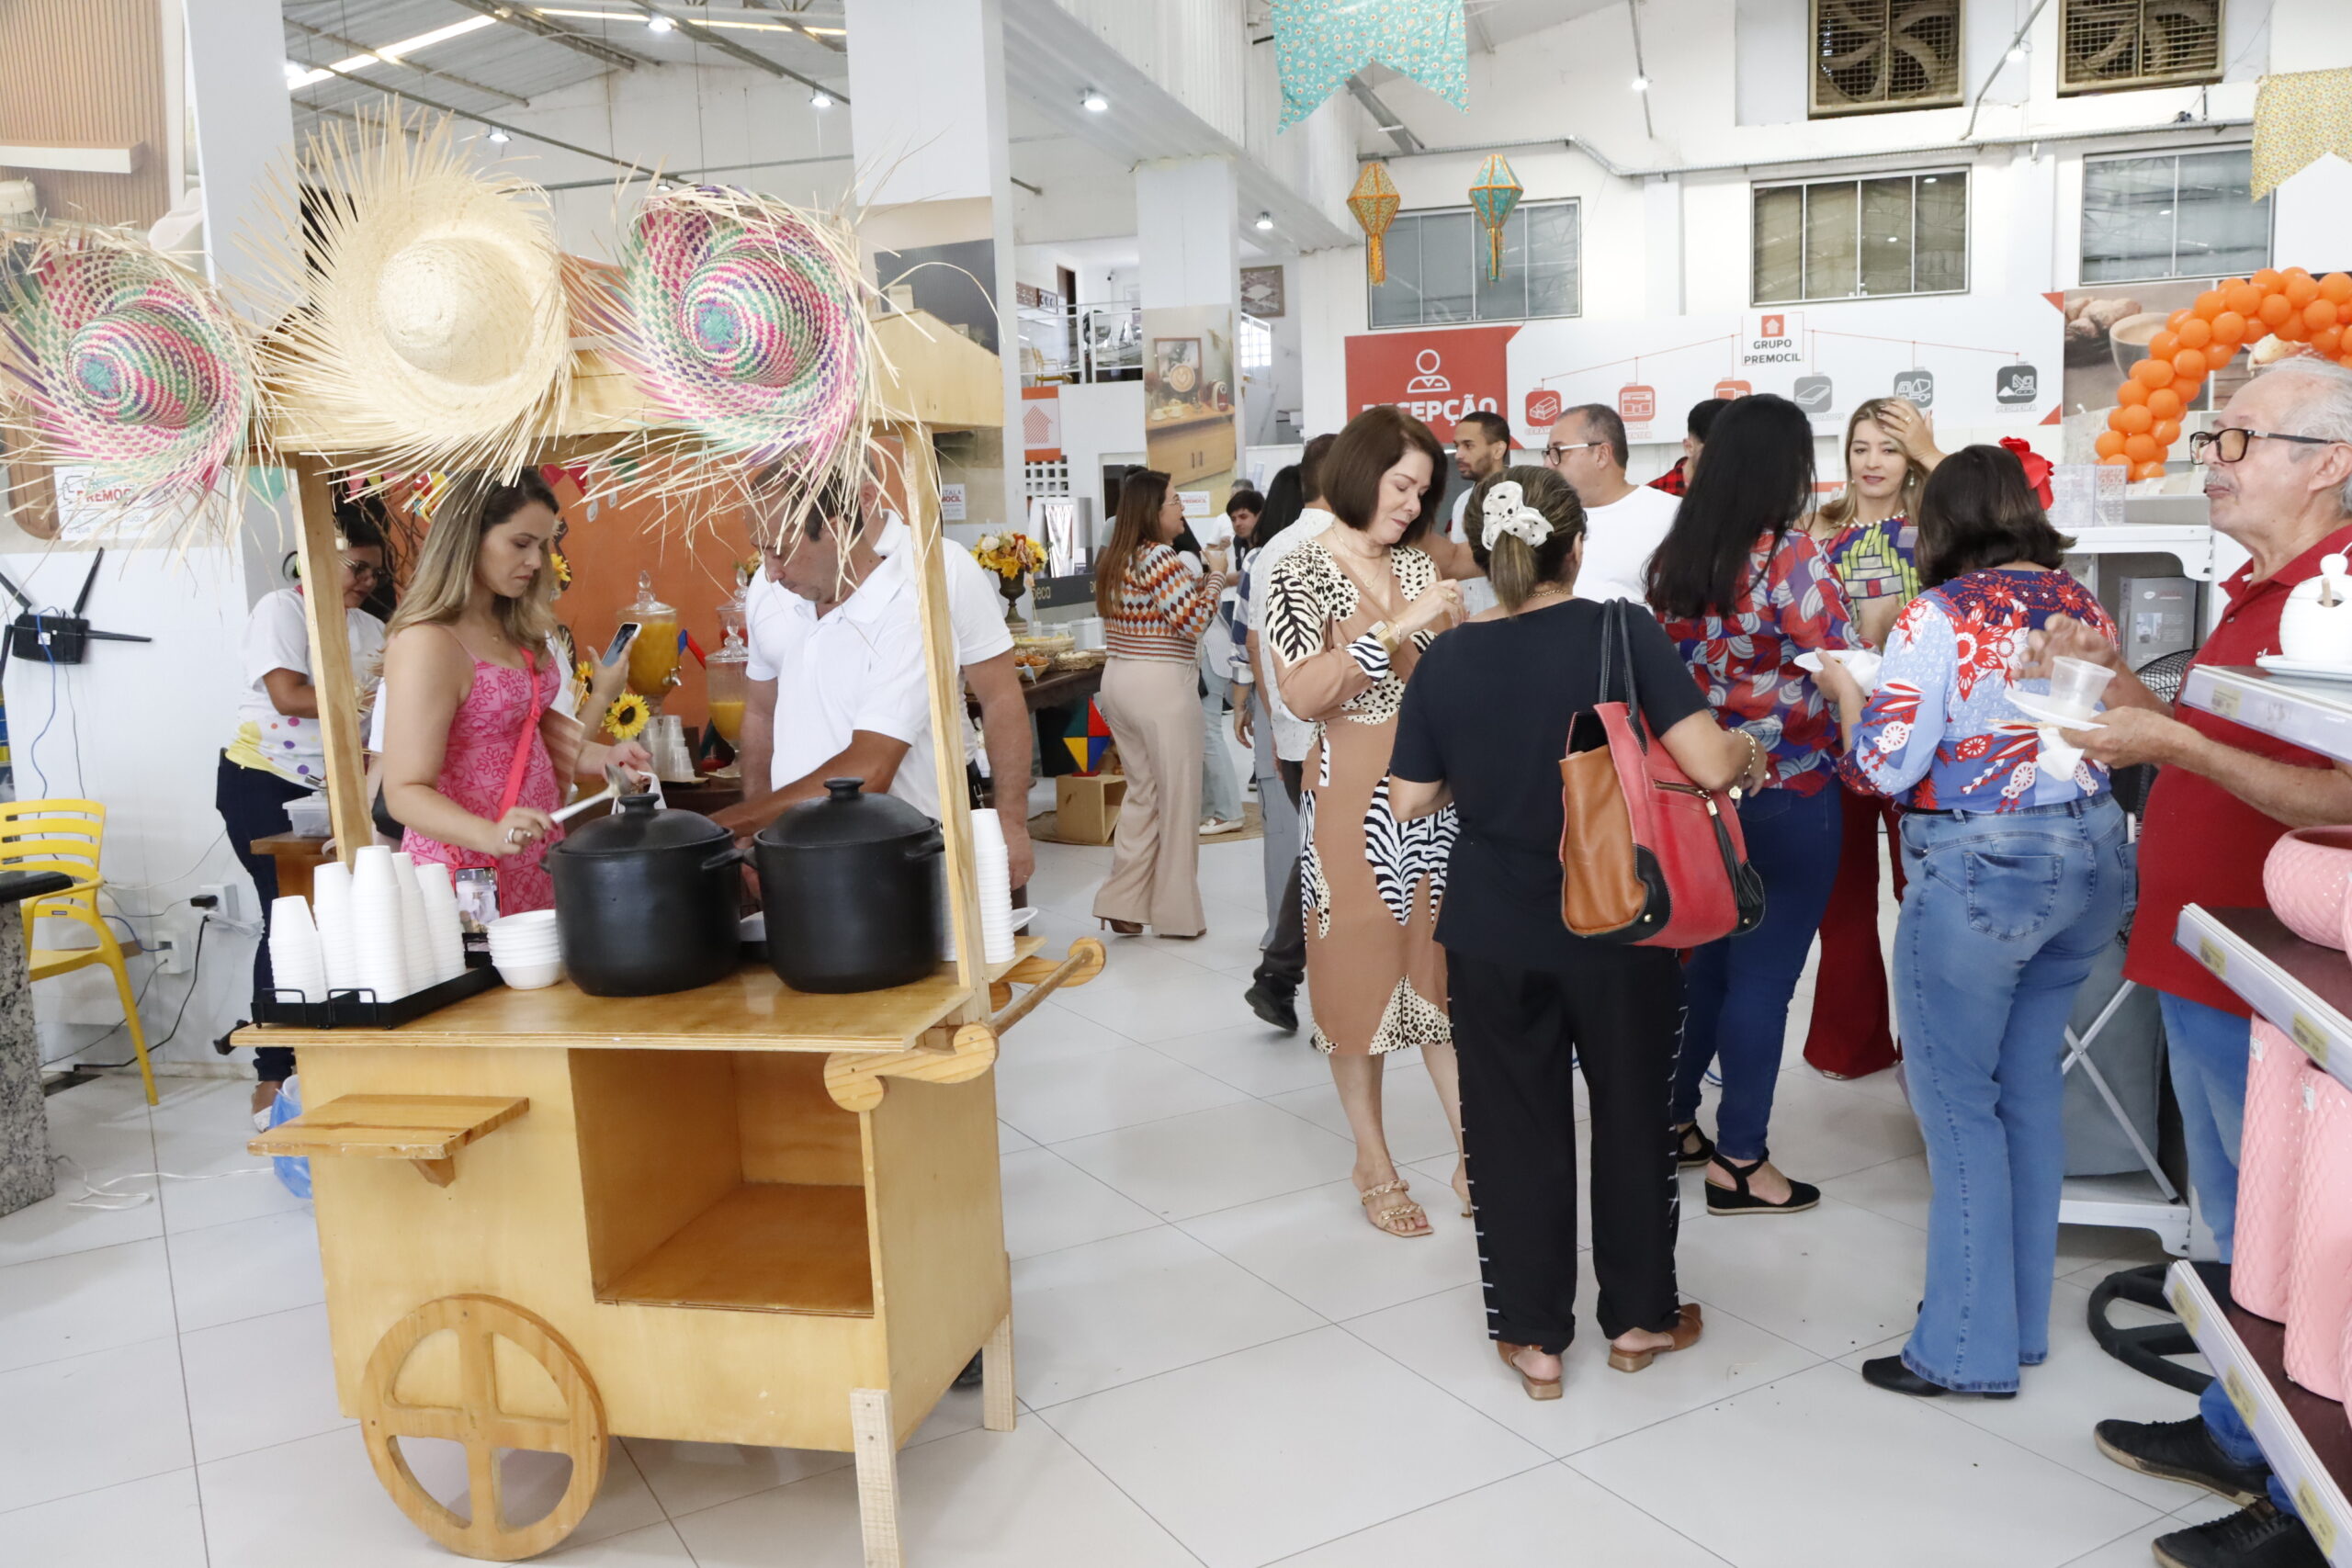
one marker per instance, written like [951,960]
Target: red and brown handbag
[1646,857]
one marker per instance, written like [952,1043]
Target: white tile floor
[1221,1363]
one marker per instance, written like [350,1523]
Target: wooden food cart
[738,1214]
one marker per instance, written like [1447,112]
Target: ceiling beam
[789,20]
[521,17]
[728,46]
[523,131]
[1388,119]
[398,63]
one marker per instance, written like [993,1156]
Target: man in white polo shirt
[836,672]
[1623,522]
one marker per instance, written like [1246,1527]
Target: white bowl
[530,976]
[529,919]
[525,952]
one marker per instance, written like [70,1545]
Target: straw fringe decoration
[743,320]
[114,356]
[433,333]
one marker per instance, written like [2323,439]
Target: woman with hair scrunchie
[1485,724]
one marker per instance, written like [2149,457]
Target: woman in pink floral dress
[474,752]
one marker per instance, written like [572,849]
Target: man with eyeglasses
[2279,478]
[1623,522]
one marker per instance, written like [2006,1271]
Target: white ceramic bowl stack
[445,938]
[523,948]
[331,912]
[379,945]
[992,866]
[295,960]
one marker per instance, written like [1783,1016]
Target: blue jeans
[2229,1433]
[2004,915]
[1220,791]
[2206,1050]
[1738,988]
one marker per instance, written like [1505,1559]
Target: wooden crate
[1086,807]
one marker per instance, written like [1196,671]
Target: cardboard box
[1086,807]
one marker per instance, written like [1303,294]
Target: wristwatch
[1384,631]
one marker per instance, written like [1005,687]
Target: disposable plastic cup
[2076,685]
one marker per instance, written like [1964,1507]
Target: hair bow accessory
[1505,511]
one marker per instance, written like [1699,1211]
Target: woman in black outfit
[1483,726]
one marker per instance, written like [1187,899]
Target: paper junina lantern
[1496,192]
[1374,202]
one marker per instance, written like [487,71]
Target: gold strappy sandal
[1395,1218]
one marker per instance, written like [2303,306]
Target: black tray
[359,1008]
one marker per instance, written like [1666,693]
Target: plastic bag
[292,1170]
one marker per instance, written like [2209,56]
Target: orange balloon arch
[2291,306]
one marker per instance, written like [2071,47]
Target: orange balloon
[2164,346]
[2189,364]
[2186,389]
[2245,298]
[2110,442]
[2328,342]
[2141,448]
[2174,321]
[2292,330]
[2346,361]
[2149,470]
[2166,431]
[2336,288]
[2117,461]
[2302,288]
[2153,373]
[2132,391]
[2269,279]
[2211,303]
[2274,309]
[2229,327]
[2162,403]
[2320,314]
[2193,333]
[2133,421]
[2218,356]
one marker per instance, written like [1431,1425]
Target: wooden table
[297,857]
[1064,688]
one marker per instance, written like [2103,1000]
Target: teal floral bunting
[1319,44]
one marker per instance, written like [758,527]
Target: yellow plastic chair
[64,836]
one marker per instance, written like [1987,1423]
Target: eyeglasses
[2228,444]
[1553,451]
[361,569]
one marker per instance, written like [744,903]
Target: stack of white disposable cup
[416,938]
[296,964]
[379,948]
[330,911]
[992,868]
[445,938]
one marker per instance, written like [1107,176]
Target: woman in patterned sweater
[1347,615]
[1155,607]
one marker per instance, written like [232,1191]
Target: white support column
[1189,230]
[927,127]
[245,126]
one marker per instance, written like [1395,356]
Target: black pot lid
[847,815]
[636,827]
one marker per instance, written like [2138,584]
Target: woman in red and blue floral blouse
[1743,592]
[2019,874]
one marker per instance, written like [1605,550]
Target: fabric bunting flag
[1319,44]
[1374,201]
[2300,117]
[1496,192]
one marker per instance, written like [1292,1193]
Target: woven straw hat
[435,330]
[114,356]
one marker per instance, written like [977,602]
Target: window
[1437,268]
[2109,44]
[2185,215]
[1875,56]
[1255,340]
[1862,238]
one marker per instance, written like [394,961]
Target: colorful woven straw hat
[742,321]
[435,332]
[120,359]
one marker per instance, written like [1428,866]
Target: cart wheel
[478,1422]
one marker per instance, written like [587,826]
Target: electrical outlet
[225,902]
[170,951]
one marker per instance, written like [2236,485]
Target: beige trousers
[1154,713]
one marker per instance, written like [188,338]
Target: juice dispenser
[654,657]
[724,677]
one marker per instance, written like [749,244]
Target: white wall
[1100,421]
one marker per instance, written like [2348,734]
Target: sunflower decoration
[628,716]
[562,567]
[583,673]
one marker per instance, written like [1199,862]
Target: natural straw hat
[433,331]
[114,358]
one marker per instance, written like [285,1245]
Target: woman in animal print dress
[1347,616]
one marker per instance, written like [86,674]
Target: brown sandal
[1687,1329]
[1395,1217]
[1536,1388]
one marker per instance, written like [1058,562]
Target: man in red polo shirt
[2279,478]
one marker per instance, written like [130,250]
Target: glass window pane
[1829,214]
[1940,233]
[1503,299]
[2127,218]
[1397,303]
[1886,236]
[1446,252]
[1552,259]
[1780,240]
[2219,231]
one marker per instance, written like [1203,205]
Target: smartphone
[621,639]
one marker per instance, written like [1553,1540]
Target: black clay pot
[648,901]
[851,886]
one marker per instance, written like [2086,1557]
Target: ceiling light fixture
[499,137]
[305,76]
[1266,220]
[659,23]
[1093,102]
[820,99]
[2017,52]
[1641,84]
